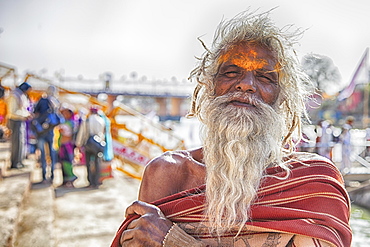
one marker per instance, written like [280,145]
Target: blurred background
[133,58]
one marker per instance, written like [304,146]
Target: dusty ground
[60,217]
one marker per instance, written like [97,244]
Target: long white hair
[258,29]
[239,144]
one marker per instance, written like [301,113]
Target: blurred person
[67,145]
[3,113]
[345,140]
[325,142]
[367,151]
[79,118]
[17,115]
[95,126]
[48,103]
[245,186]
[32,151]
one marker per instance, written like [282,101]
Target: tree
[323,73]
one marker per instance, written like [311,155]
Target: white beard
[239,144]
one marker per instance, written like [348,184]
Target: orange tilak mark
[245,60]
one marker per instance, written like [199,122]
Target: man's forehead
[248,57]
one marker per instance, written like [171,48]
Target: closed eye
[266,76]
[231,74]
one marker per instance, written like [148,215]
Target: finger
[132,243]
[126,236]
[141,208]
[133,224]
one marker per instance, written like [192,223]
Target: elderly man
[246,186]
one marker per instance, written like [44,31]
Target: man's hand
[148,230]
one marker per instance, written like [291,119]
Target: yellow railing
[139,144]
[134,143]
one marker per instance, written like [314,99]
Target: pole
[365,117]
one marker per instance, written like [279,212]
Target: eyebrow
[268,70]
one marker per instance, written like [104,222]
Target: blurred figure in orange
[3,112]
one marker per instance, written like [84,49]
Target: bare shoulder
[169,173]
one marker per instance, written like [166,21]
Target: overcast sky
[158,38]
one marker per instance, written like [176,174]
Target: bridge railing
[124,87]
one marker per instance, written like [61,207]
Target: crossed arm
[152,227]
[149,229]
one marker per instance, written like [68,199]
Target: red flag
[360,76]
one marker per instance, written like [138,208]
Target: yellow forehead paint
[246,60]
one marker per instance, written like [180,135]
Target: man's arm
[152,229]
[81,134]
[163,176]
[149,229]
[14,112]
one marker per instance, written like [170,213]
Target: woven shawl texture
[311,202]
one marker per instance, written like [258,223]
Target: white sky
[158,38]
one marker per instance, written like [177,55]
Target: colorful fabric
[66,152]
[67,170]
[66,156]
[85,131]
[3,111]
[311,202]
[108,151]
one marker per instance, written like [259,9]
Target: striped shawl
[311,202]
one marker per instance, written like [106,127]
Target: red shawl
[311,202]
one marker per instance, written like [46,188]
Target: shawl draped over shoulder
[311,202]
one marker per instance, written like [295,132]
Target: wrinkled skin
[149,229]
[247,69]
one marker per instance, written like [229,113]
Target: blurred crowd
[53,133]
[324,137]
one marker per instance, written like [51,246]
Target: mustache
[240,97]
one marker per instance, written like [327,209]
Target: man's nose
[247,83]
